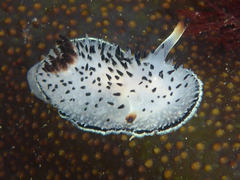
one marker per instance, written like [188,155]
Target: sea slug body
[100,88]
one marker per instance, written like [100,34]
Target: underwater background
[35,143]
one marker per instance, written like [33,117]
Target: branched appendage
[222,19]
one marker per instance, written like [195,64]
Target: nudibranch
[102,89]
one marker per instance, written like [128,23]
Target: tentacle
[167,45]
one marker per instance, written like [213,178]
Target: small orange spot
[37,6]
[21,8]
[132,24]
[73,22]
[84,13]
[2,33]
[56,10]
[131,117]
[119,22]
[44,20]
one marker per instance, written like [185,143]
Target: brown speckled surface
[35,143]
